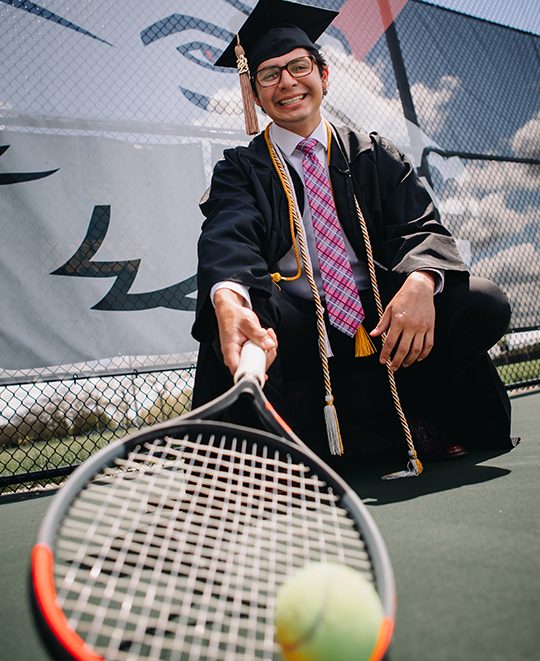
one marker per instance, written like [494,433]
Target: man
[437,323]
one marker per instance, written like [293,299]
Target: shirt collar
[287,140]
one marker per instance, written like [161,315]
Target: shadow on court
[366,479]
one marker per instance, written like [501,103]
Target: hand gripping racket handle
[252,363]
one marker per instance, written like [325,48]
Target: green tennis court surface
[464,539]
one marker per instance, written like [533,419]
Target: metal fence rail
[49,428]
[491,204]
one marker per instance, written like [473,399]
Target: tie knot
[307,146]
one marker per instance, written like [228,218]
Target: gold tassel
[414,468]
[417,465]
[332,427]
[250,114]
[364,344]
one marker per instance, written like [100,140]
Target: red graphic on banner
[364,21]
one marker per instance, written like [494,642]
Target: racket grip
[252,363]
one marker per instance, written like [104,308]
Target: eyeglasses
[270,76]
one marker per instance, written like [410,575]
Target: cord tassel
[414,468]
[332,427]
[364,344]
[250,114]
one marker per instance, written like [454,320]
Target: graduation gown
[246,232]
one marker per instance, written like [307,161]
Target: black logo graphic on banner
[118,298]
[32,8]
[204,54]
[199,52]
[7,178]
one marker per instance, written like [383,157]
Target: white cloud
[475,205]
[357,92]
[526,141]
[488,220]
[524,301]
[452,206]
[430,103]
[517,271]
[515,265]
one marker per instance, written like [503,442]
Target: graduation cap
[274,28]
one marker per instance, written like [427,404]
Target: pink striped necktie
[342,299]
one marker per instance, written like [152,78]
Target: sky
[520,14]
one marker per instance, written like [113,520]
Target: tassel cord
[250,113]
[414,466]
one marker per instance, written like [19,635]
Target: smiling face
[294,103]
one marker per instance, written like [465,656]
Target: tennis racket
[171,543]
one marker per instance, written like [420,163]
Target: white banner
[105,151]
[98,255]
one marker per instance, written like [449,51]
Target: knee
[476,311]
[490,305]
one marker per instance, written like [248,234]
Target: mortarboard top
[274,28]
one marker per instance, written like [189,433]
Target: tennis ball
[327,612]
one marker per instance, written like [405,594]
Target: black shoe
[429,447]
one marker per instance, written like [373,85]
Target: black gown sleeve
[242,234]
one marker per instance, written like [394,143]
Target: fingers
[237,324]
[409,352]
[383,324]
[407,340]
[429,341]
[406,348]
[271,353]
[246,327]
[391,341]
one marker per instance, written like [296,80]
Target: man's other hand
[409,322]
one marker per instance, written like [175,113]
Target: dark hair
[319,61]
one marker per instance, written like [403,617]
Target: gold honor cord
[330,415]
[414,467]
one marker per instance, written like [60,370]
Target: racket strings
[178,553]
[117,558]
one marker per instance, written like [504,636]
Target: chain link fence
[492,206]
[50,428]
[111,119]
